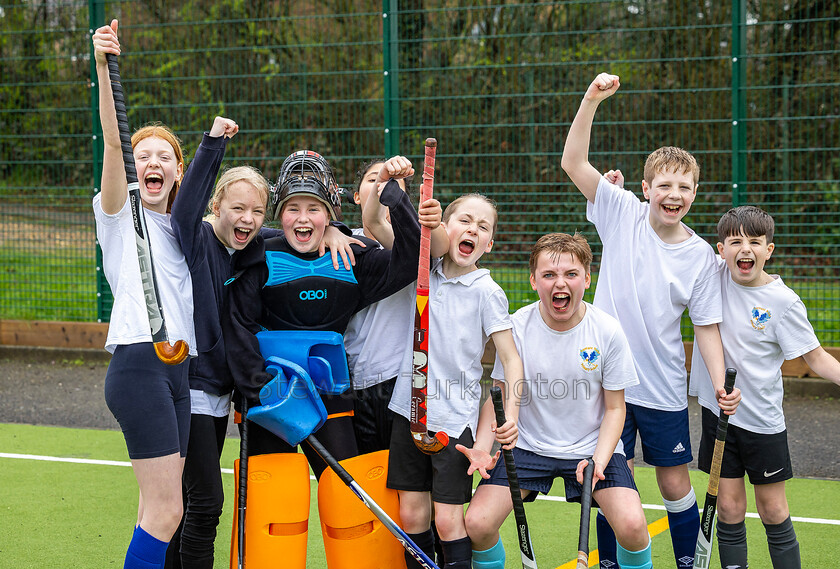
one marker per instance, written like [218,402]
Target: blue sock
[684,521]
[634,559]
[606,542]
[493,558]
[145,551]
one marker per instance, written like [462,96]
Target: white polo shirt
[463,312]
[647,284]
[129,319]
[375,339]
[762,327]
[566,373]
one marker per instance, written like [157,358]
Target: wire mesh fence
[749,87]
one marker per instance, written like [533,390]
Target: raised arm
[374,214]
[197,187]
[575,161]
[114,189]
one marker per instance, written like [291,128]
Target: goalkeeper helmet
[306,172]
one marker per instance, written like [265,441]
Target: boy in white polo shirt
[577,364]
[653,267]
[466,308]
[764,323]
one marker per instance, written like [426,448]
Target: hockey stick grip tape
[122,118]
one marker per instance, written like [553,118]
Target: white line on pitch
[749,514]
[230,471]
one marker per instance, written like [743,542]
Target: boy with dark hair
[653,268]
[764,323]
[577,364]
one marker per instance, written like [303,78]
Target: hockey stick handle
[425,441]
[426,193]
[720,437]
[703,550]
[243,484]
[522,533]
[585,511]
[409,545]
[166,352]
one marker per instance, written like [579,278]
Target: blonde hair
[453,206]
[671,159]
[555,244]
[159,130]
[247,174]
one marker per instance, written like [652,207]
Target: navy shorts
[150,400]
[666,440]
[443,474]
[765,458]
[537,473]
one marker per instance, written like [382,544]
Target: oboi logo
[320,294]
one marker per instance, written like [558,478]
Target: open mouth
[153,182]
[561,301]
[672,209]
[745,265]
[466,247]
[241,235]
[303,234]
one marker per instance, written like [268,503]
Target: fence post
[391,65]
[739,107]
[96,17]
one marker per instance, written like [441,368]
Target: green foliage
[496,83]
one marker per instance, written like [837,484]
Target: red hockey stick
[423,439]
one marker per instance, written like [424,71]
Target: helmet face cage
[306,172]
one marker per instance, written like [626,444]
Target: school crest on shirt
[759,317]
[590,358]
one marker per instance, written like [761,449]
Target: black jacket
[282,289]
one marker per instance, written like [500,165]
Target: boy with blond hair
[577,364]
[654,267]
[768,323]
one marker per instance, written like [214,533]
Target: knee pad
[277,513]
[493,558]
[351,532]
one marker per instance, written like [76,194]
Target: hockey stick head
[172,355]
[429,443]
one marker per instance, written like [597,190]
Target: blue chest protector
[307,294]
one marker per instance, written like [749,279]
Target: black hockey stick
[585,511]
[377,510]
[703,551]
[243,484]
[166,352]
[522,533]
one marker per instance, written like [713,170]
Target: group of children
[580,379]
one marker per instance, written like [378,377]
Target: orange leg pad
[353,536]
[277,513]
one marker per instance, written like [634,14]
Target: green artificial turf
[58,514]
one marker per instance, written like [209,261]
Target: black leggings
[203,496]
